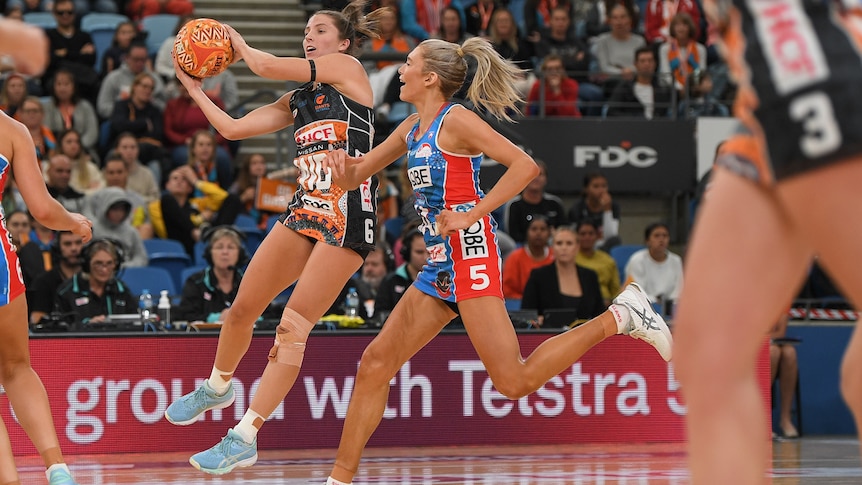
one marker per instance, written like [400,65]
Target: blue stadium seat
[153,279]
[621,255]
[45,20]
[102,20]
[158,27]
[102,38]
[156,245]
[271,221]
[199,254]
[185,273]
[173,262]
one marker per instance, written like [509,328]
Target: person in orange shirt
[536,253]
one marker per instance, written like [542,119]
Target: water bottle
[164,309]
[351,303]
[145,307]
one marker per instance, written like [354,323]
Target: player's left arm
[465,132]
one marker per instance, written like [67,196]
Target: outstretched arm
[263,120]
[342,71]
[28,176]
[348,172]
[27,44]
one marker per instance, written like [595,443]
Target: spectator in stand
[138,9]
[252,169]
[203,160]
[392,39]
[503,34]
[112,210]
[141,179]
[209,293]
[532,201]
[72,49]
[452,26]
[560,92]
[117,85]
[478,15]
[659,13]
[35,255]
[393,286]
[597,205]
[537,15]
[183,118]
[784,366]
[95,293]
[139,116]
[563,284]
[86,176]
[375,267]
[598,20]
[388,205]
[597,260]
[66,110]
[18,225]
[66,252]
[32,116]
[681,55]
[117,175]
[12,198]
[178,215]
[58,175]
[657,270]
[534,253]
[615,50]
[644,96]
[124,35]
[13,94]
[421,19]
[701,102]
[27,6]
[561,40]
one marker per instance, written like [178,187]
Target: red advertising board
[109,396]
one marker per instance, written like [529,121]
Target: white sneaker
[645,324]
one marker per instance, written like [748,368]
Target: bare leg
[722,321]
[8,473]
[494,339]
[412,324]
[267,275]
[314,294]
[837,239]
[23,387]
[491,333]
[787,386]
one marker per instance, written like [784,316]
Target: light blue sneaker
[230,453]
[61,477]
[187,409]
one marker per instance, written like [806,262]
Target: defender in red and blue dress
[11,278]
[467,264]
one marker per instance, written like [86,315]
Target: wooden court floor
[807,461]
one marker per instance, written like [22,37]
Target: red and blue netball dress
[11,279]
[468,263]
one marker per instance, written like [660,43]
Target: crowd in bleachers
[123,143]
[580,58]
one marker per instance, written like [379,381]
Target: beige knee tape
[290,337]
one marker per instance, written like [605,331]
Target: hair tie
[460,51]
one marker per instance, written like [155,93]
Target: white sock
[332,481]
[621,316]
[217,382]
[56,466]
[246,428]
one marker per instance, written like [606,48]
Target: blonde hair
[493,86]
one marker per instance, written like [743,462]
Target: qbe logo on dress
[474,241]
[420,176]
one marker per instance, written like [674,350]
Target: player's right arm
[28,176]
[349,172]
[266,119]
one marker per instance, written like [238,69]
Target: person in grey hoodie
[111,209]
